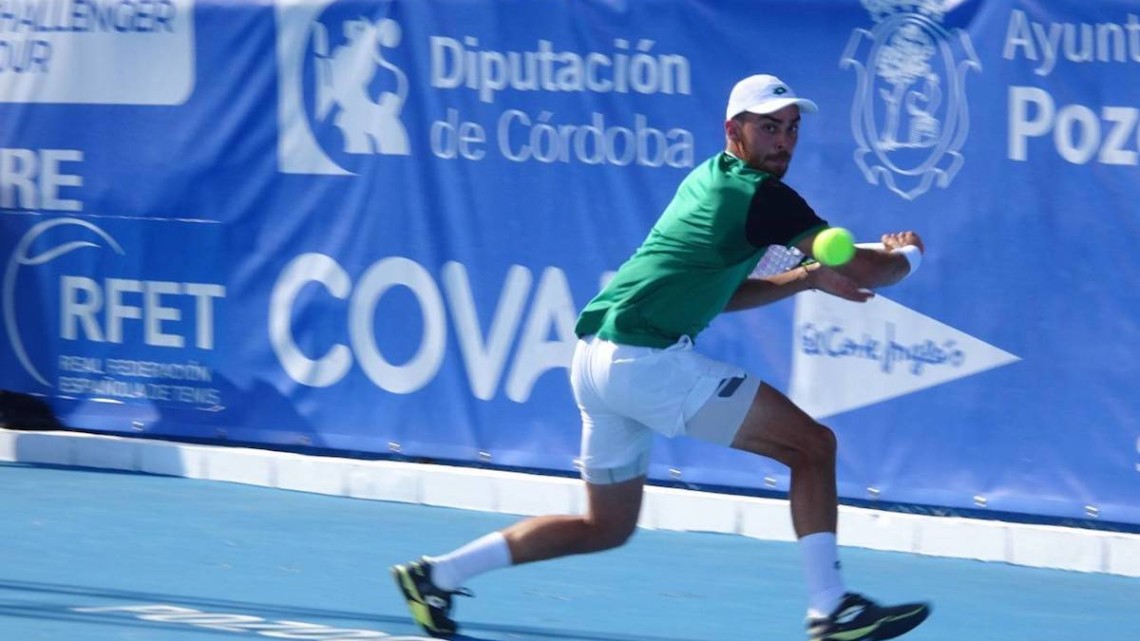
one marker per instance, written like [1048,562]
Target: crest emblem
[910,115]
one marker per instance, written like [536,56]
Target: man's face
[766,142]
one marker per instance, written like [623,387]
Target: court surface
[93,556]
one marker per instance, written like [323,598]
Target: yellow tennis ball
[833,246]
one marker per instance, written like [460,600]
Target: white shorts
[626,394]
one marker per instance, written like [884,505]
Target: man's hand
[902,239]
[828,280]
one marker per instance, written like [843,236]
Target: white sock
[821,569]
[450,571]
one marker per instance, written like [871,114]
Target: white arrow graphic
[850,355]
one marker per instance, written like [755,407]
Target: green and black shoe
[430,606]
[860,619]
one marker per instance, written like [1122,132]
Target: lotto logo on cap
[764,94]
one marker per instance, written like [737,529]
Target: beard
[776,165]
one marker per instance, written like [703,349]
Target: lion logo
[340,98]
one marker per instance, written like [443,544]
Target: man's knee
[610,534]
[815,445]
[821,444]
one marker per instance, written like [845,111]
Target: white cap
[763,94]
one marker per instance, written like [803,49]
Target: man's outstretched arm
[875,268]
[758,291]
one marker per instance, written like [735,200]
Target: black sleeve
[778,215]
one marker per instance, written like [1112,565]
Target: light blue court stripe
[97,556]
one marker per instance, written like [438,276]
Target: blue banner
[369,226]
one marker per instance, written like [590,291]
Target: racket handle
[912,254]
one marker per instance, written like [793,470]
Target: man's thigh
[617,505]
[775,426]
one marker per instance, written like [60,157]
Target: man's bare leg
[776,428]
[429,584]
[610,519]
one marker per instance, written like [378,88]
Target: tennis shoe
[430,605]
[857,618]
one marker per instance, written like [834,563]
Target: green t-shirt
[724,218]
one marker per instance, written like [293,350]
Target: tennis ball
[833,246]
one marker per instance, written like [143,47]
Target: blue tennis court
[94,556]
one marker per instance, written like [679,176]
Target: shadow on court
[32,600]
[534,634]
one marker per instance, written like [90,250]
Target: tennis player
[734,237]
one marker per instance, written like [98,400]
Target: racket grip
[912,254]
